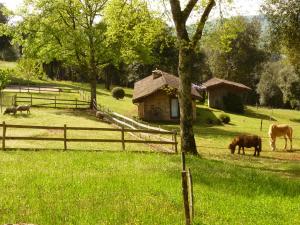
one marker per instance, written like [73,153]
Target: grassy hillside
[80,187]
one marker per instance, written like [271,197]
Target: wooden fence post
[54,101]
[76,103]
[123,139]
[185,191]
[175,141]
[15,100]
[3,135]
[191,195]
[261,122]
[65,137]
[31,99]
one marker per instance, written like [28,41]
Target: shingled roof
[154,82]
[214,82]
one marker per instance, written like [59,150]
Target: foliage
[233,103]
[284,28]
[5,75]
[278,84]
[7,51]
[30,69]
[118,93]
[132,30]
[225,118]
[233,50]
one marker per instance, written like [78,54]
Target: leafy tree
[69,31]
[187,47]
[233,50]
[132,30]
[7,51]
[283,17]
[278,84]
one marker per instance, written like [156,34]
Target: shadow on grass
[239,180]
[295,120]
[252,114]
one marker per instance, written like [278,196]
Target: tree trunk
[93,83]
[188,143]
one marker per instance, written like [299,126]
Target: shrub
[224,118]
[118,93]
[212,121]
[5,75]
[233,103]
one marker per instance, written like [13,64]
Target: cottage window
[174,108]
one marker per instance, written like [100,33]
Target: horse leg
[285,142]
[272,144]
[255,149]
[239,149]
[243,150]
[290,136]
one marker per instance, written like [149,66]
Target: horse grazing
[247,141]
[10,110]
[22,108]
[278,131]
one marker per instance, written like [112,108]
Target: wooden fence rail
[50,102]
[65,139]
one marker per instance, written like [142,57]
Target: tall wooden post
[191,195]
[175,141]
[185,192]
[123,138]
[261,122]
[76,103]
[55,101]
[3,135]
[31,99]
[65,137]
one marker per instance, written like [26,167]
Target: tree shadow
[252,114]
[295,120]
[238,179]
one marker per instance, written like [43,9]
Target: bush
[118,93]
[212,121]
[224,118]
[233,103]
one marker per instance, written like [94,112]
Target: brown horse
[247,141]
[278,131]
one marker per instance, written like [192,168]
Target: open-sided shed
[156,97]
[217,89]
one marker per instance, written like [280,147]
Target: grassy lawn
[7,65]
[108,187]
[59,117]
[129,188]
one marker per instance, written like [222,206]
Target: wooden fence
[41,89]
[65,138]
[53,102]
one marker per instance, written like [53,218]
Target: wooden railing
[65,138]
[41,89]
[50,102]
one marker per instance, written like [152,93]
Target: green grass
[79,187]
[59,117]
[129,188]
[7,65]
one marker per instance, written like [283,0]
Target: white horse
[278,131]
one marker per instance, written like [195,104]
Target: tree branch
[198,34]
[188,9]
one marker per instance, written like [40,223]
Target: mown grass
[129,188]
[7,65]
[79,187]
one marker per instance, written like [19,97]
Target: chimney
[156,73]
